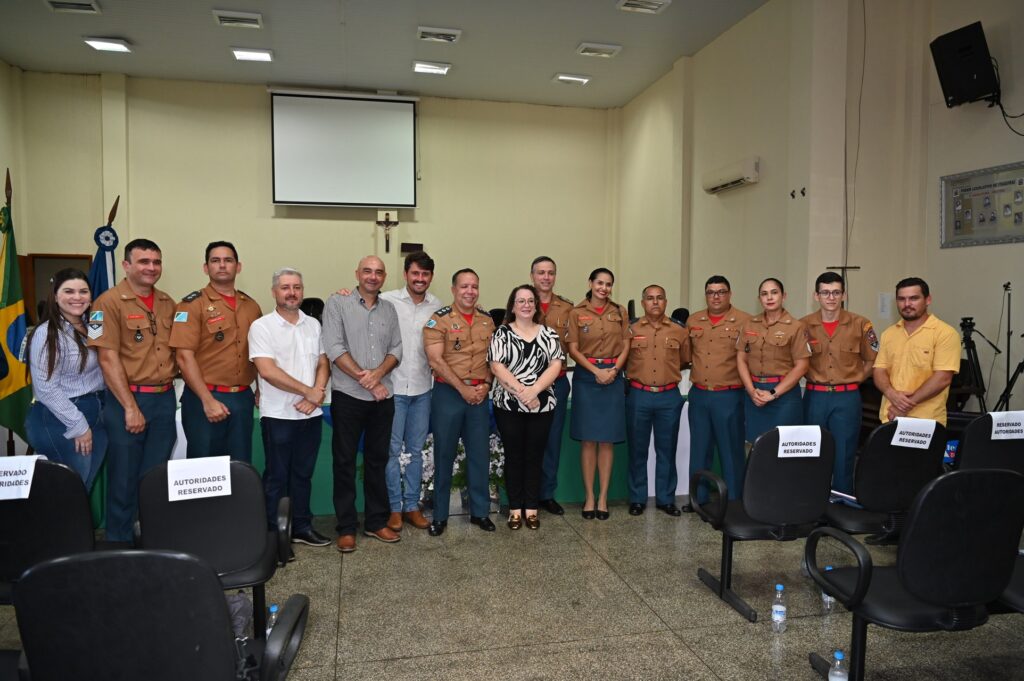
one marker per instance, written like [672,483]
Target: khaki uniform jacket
[656,352]
[711,348]
[601,335]
[465,345]
[120,321]
[840,359]
[773,348]
[205,324]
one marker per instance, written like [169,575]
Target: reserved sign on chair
[198,478]
[799,441]
[1008,425]
[16,476]
[914,433]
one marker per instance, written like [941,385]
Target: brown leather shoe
[416,519]
[395,522]
[385,534]
[346,543]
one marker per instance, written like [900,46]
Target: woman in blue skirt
[772,356]
[597,339]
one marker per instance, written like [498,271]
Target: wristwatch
[772,392]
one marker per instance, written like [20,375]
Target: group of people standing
[401,365]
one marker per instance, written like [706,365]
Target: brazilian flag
[15,392]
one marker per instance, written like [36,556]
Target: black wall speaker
[964,66]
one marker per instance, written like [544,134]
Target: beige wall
[500,184]
[10,138]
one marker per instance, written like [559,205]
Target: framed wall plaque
[982,207]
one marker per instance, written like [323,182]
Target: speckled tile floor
[584,599]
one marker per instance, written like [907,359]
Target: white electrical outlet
[885,305]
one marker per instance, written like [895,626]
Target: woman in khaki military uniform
[772,355]
[597,335]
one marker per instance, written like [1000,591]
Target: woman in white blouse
[65,423]
[526,358]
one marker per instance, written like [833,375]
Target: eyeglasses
[830,294]
[524,301]
[718,293]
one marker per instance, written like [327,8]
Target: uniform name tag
[215,319]
[914,433]
[198,478]
[136,316]
[799,441]
[1008,425]
[16,474]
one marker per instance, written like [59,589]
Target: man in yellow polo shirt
[917,358]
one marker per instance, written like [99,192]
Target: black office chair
[154,615]
[681,314]
[957,554]
[55,520]
[783,499]
[313,307]
[229,532]
[978,449]
[886,480]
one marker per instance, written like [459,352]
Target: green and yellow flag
[15,392]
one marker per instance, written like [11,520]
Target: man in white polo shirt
[293,370]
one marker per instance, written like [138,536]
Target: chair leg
[259,612]
[858,648]
[722,585]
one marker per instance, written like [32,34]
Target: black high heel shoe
[602,515]
[589,515]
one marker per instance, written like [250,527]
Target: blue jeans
[553,451]
[452,417]
[409,431]
[838,413]
[231,437]
[291,448]
[46,436]
[132,455]
[716,421]
[660,412]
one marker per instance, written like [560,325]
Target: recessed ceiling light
[252,54]
[571,79]
[74,7]
[431,67]
[439,35]
[108,44]
[598,50]
[229,19]
[643,6]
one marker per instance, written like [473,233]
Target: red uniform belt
[698,386]
[465,381]
[767,379]
[226,388]
[150,388]
[562,373]
[825,388]
[653,388]
[601,360]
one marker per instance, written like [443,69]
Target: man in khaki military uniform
[555,314]
[715,412]
[456,339]
[130,325]
[843,348]
[210,336]
[654,403]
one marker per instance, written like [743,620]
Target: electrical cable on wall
[851,214]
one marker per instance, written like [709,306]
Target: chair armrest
[716,514]
[137,533]
[285,638]
[284,530]
[864,565]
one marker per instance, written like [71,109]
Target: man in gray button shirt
[363,341]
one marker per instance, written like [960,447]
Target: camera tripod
[974,381]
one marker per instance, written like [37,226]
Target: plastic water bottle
[839,670]
[271,618]
[779,610]
[828,603]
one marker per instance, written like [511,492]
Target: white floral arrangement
[495,468]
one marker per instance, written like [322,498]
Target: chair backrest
[787,490]
[314,307]
[125,615]
[54,521]
[978,449]
[959,544]
[229,532]
[888,477]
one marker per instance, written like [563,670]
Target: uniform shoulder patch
[190,297]
[447,309]
[431,323]
[872,338]
[96,316]
[482,311]
[181,316]
[242,294]
[676,322]
[564,299]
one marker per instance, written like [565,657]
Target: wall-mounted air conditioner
[732,176]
